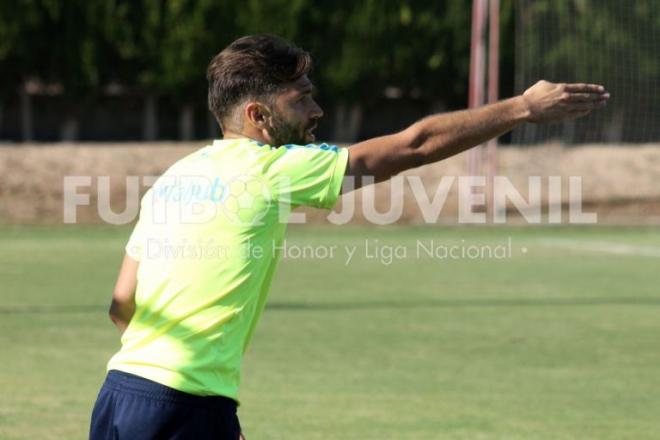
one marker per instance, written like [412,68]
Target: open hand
[551,102]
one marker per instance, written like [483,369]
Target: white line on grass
[601,247]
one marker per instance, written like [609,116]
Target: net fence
[612,42]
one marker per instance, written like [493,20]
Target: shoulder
[311,147]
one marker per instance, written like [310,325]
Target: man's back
[207,242]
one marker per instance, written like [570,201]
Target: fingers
[586,97]
[580,99]
[584,88]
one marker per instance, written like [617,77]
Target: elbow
[121,314]
[114,319]
[417,151]
[113,311]
[426,148]
[121,310]
[419,156]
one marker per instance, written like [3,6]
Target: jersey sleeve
[309,175]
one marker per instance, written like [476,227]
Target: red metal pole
[477,54]
[493,86]
[477,72]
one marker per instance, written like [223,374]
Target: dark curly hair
[254,66]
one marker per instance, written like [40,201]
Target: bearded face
[285,131]
[294,114]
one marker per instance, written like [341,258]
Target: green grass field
[559,342]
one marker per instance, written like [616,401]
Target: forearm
[437,137]
[440,136]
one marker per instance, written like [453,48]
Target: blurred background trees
[77,69]
[135,69]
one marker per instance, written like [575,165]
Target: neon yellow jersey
[208,239]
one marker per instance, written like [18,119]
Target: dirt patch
[619,183]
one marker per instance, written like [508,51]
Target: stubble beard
[283,132]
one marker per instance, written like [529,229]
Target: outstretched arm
[440,136]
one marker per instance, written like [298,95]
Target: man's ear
[257,114]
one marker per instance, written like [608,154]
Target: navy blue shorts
[133,408]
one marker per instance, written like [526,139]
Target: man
[199,263]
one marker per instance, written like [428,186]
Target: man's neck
[229,134]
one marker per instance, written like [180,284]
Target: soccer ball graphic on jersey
[246,199]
